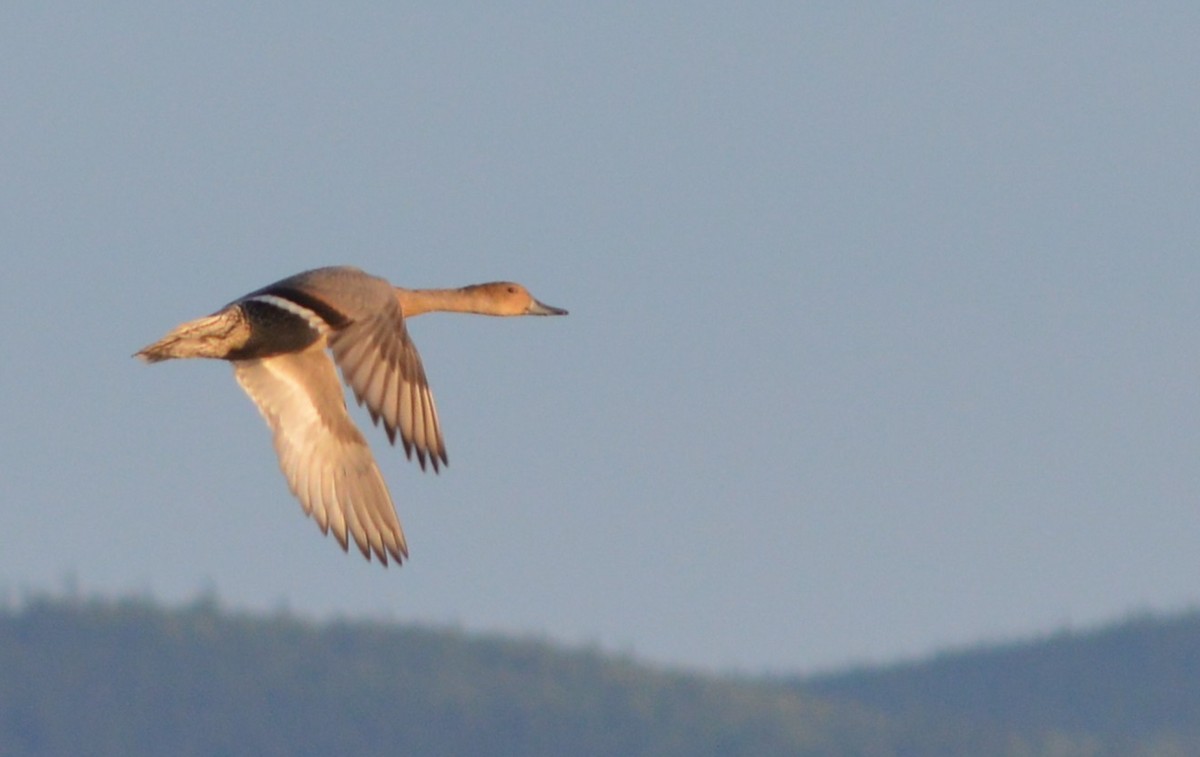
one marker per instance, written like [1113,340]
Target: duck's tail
[212,336]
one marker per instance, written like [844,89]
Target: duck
[283,342]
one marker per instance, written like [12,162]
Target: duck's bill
[541,308]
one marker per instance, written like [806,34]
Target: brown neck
[414,302]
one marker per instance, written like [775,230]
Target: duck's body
[277,337]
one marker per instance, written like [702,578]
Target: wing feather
[380,363]
[326,461]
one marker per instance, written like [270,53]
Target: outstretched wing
[381,364]
[326,461]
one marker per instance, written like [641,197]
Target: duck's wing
[380,363]
[324,457]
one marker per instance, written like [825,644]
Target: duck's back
[295,312]
[337,294]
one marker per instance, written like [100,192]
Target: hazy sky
[883,329]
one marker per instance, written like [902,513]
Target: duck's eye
[512,290]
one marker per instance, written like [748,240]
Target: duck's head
[508,298]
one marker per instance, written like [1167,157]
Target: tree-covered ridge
[1131,686]
[132,678]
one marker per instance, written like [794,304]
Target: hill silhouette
[1130,686]
[132,677]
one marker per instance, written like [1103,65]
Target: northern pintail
[276,339]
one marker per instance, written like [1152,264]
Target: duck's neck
[414,302]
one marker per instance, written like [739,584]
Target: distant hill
[1132,687]
[132,678]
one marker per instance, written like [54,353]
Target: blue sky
[882,331]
